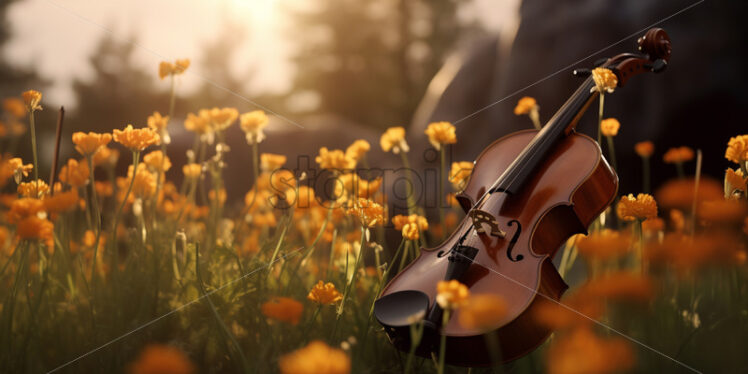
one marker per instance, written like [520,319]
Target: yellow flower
[88,144]
[644,149]
[18,169]
[15,107]
[411,225]
[158,123]
[722,211]
[157,161]
[35,189]
[640,207]
[737,149]
[368,212]
[191,171]
[734,181]
[161,359]
[394,139]
[334,160]
[106,156]
[252,124]
[136,139]
[441,133]
[283,309]
[197,124]
[605,80]
[605,244]
[678,155]
[525,105]
[460,173]
[653,225]
[34,227]
[166,69]
[324,293]
[316,358]
[351,186]
[358,149]
[582,351]
[221,118]
[451,294]
[75,173]
[482,311]
[32,99]
[610,126]
[144,185]
[270,162]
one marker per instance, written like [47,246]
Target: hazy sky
[57,36]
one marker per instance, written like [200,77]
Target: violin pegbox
[480,217]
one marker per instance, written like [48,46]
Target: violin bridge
[481,217]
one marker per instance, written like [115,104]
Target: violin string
[582,314]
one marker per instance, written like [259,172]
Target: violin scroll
[656,44]
[655,48]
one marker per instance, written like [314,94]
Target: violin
[533,189]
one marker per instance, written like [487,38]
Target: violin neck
[560,125]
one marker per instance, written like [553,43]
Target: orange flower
[368,212]
[677,220]
[16,168]
[334,159]
[15,107]
[722,211]
[686,253]
[350,185]
[451,294]
[482,311]
[605,80]
[411,225]
[737,149]
[604,245]
[316,358]
[394,139]
[324,293]
[640,207]
[644,149]
[75,173]
[157,161]
[270,162]
[253,123]
[653,225]
[32,99]
[88,144]
[158,123]
[460,173]
[575,310]
[24,208]
[441,133]
[36,189]
[166,69]
[525,105]
[161,359]
[192,171]
[136,139]
[583,352]
[358,149]
[619,286]
[678,155]
[283,309]
[197,124]
[610,126]
[680,193]
[104,189]
[144,185]
[734,182]
[34,227]
[106,156]
[61,202]
[221,118]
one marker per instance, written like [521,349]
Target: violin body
[533,189]
[564,196]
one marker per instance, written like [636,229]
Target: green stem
[600,118]
[416,333]
[409,189]
[443,342]
[355,272]
[135,162]
[442,176]
[679,169]
[33,148]
[612,152]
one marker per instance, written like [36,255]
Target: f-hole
[513,242]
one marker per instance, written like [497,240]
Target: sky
[56,37]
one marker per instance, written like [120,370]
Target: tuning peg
[582,73]
[659,65]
